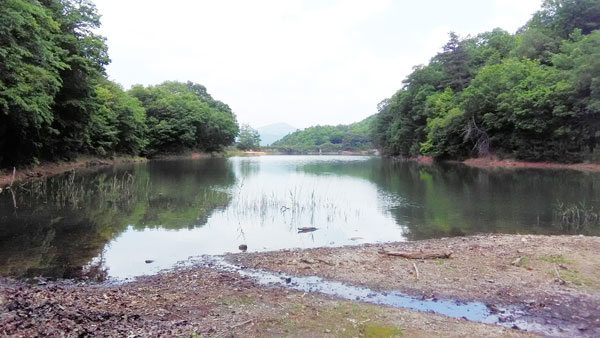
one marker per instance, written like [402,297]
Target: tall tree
[30,64]
[85,57]
[455,60]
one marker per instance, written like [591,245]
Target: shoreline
[495,163]
[54,168]
[497,270]
[47,169]
[514,164]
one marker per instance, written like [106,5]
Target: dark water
[108,222]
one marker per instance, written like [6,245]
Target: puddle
[510,317]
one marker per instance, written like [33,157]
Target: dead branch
[325,262]
[12,181]
[560,280]
[416,254]
[416,270]
[241,324]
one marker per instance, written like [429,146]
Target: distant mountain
[274,132]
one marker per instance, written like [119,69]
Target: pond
[128,220]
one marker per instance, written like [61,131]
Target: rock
[517,261]
[243,247]
[148,261]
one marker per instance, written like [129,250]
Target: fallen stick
[560,280]
[325,262]
[241,324]
[416,255]
[416,270]
[12,181]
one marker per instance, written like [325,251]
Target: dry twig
[416,255]
[416,270]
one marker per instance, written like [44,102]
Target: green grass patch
[554,259]
[378,331]
[575,278]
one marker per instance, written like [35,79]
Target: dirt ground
[555,279]
[198,302]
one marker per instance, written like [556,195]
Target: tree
[248,138]
[561,17]
[533,95]
[86,55]
[30,66]
[119,122]
[180,117]
[455,60]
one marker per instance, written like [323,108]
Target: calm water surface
[108,222]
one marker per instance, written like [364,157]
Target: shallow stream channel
[505,316]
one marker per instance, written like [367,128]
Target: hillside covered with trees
[533,96]
[353,137]
[56,101]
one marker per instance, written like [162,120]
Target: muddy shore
[495,163]
[10,176]
[555,279]
[508,163]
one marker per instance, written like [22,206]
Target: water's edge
[512,316]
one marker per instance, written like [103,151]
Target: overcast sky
[300,62]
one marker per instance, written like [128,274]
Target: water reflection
[108,222]
[61,225]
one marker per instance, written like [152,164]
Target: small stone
[148,261]
[243,247]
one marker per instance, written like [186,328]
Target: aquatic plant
[576,216]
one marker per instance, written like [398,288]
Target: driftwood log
[416,254]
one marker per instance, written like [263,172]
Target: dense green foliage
[353,137]
[248,138]
[534,95]
[56,102]
[184,116]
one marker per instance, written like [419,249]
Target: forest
[56,100]
[352,137]
[533,95]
